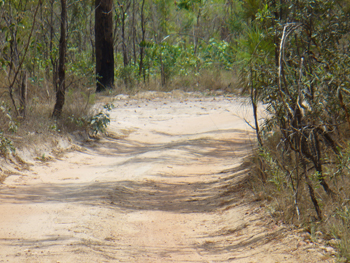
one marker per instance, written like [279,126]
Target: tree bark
[124,10]
[61,89]
[133,32]
[142,46]
[104,44]
[125,54]
[23,95]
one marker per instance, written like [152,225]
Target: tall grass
[274,180]
[208,81]
[38,125]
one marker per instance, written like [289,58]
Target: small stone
[301,244]
[318,234]
[306,236]
[333,242]
[330,250]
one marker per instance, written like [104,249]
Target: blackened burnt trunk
[61,89]
[104,44]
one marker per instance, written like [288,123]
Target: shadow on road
[200,196]
[193,197]
[204,146]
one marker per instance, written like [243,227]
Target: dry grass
[272,185]
[41,134]
[207,81]
[38,127]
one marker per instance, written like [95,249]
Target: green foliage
[343,214]
[6,145]
[276,175]
[79,121]
[181,39]
[81,66]
[340,231]
[94,124]
[99,122]
[54,126]
[217,52]
[6,111]
[128,74]
[293,56]
[188,5]
[251,8]
[178,60]
[253,49]
[109,106]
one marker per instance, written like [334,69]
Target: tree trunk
[124,10]
[60,93]
[125,54]
[312,193]
[23,95]
[104,44]
[254,101]
[162,72]
[133,32]
[142,46]
[92,35]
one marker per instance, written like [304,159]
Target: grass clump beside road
[302,163]
[278,179]
[37,128]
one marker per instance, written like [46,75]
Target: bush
[6,145]
[294,60]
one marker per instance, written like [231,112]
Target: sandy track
[166,185]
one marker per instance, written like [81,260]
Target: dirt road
[166,185]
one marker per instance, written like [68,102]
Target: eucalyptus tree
[14,16]
[61,87]
[298,66]
[104,44]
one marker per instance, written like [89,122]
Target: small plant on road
[100,121]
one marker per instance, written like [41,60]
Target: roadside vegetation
[292,56]
[295,60]
[158,45]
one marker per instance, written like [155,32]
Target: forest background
[293,56]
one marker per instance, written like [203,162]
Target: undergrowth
[278,179]
[206,81]
[80,113]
